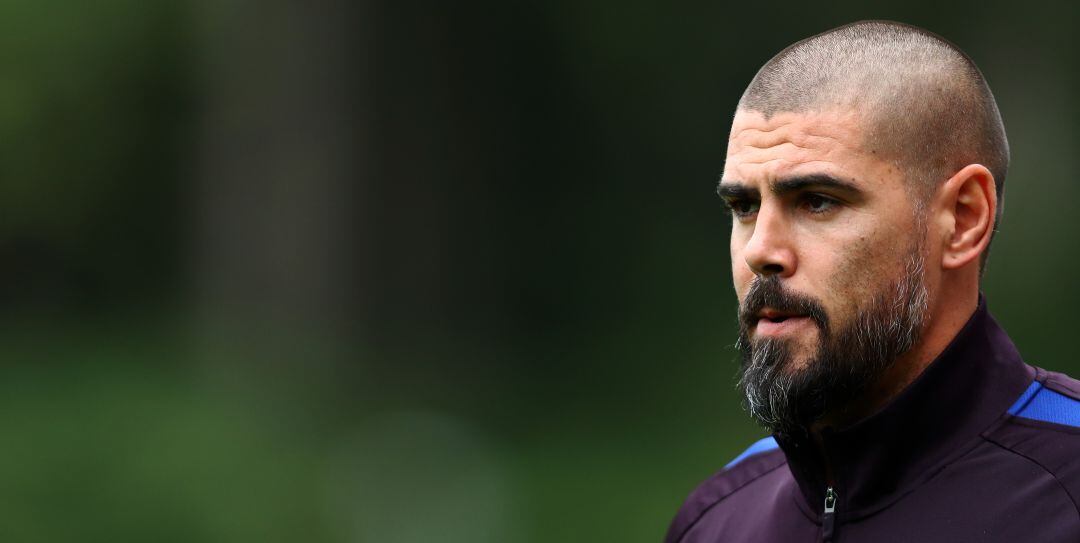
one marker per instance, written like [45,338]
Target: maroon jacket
[981,447]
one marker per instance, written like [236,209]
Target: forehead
[763,148]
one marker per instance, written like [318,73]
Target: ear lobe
[971,196]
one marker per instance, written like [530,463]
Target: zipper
[828,516]
[828,519]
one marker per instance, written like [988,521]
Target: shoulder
[1053,397]
[1043,426]
[758,460]
[1051,403]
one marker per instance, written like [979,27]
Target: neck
[961,393]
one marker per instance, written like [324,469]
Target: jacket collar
[934,420]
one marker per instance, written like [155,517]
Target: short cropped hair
[928,107]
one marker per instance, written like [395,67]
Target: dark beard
[847,361]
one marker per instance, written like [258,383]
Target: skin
[839,245]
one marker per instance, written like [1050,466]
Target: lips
[769,308]
[780,324]
[775,316]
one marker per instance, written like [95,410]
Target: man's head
[864,170]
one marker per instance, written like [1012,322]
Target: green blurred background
[417,271]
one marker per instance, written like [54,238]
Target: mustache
[768,291]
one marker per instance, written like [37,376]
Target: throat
[875,397]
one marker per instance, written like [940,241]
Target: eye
[742,208]
[818,203]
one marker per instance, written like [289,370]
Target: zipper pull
[828,519]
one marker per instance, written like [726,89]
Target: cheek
[741,274]
[855,265]
[865,264]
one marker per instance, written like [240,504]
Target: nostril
[772,268]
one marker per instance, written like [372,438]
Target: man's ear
[970,201]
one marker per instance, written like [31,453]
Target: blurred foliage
[95,100]
[530,335]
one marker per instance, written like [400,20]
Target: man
[864,176]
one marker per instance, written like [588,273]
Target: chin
[801,350]
[798,357]
[797,364]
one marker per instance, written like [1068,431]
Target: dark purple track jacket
[981,447]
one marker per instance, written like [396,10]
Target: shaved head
[925,105]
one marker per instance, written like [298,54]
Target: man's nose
[770,250]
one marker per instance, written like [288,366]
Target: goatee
[848,359]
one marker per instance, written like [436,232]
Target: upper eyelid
[730,203]
[799,197]
[803,195]
[830,203]
[728,200]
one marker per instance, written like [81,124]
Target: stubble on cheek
[868,263]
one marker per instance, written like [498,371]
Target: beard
[849,358]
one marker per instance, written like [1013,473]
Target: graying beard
[909,306]
[765,404]
[768,389]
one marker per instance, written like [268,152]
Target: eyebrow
[736,190]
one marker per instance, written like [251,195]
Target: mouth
[771,322]
[773,315]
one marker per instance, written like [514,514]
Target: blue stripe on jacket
[1041,403]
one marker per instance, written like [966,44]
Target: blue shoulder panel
[1041,403]
[1024,398]
[762,445]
